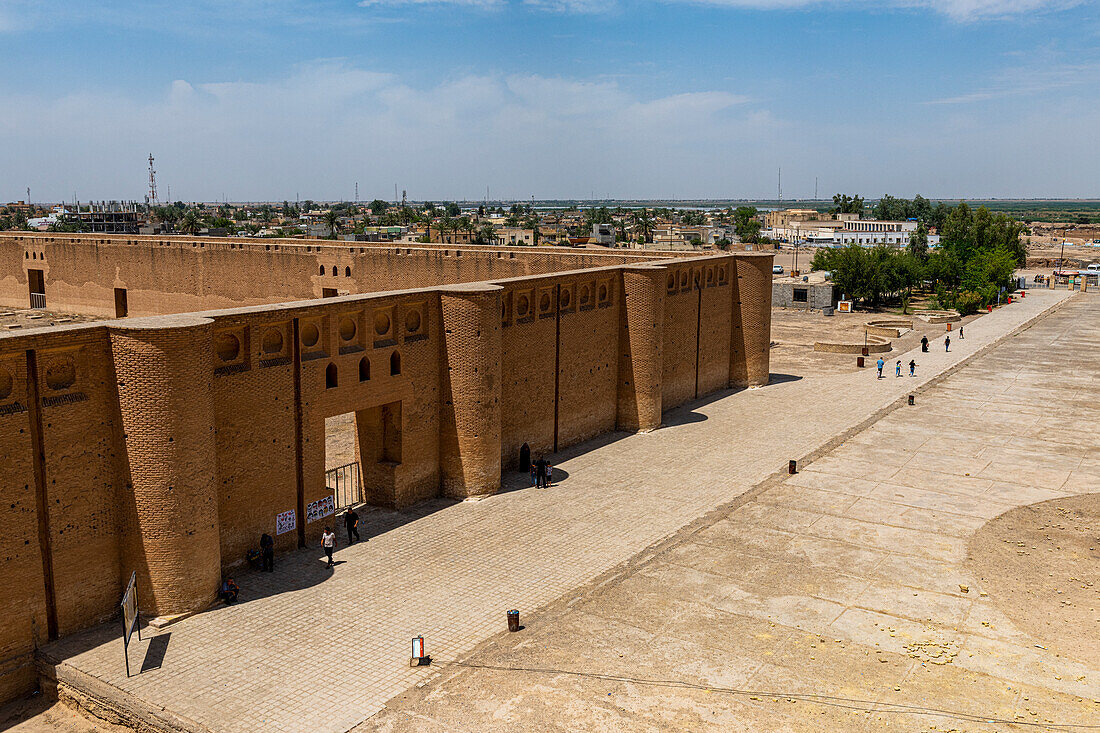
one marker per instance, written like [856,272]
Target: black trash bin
[513,620]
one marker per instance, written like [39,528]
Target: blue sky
[272,99]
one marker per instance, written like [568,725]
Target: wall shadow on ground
[305,567]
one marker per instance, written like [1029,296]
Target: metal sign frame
[130,621]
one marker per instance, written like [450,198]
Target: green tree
[332,221]
[745,224]
[845,204]
[643,222]
[190,223]
[453,210]
[918,242]
[486,234]
[378,206]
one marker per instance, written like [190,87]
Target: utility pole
[780,187]
[815,188]
[357,192]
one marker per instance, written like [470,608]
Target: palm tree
[190,223]
[644,222]
[332,221]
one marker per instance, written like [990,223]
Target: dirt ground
[1038,564]
[19,319]
[795,331]
[39,714]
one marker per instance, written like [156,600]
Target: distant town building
[111,217]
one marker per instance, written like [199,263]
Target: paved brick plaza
[845,598]
[310,650]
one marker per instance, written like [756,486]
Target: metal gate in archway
[345,483]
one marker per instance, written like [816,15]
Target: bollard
[948,326]
[911,400]
[990,307]
[1010,299]
[418,656]
[792,467]
[864,351]
[860,362]
[513,620]
[1023,293]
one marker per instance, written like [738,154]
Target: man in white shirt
[328,542]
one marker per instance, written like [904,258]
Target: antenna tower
[357,192]
[815,188]
[780,184]
[404,199]
[152,181]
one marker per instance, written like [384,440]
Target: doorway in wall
[36,283]
[342,475]
[121,307]
[363,450]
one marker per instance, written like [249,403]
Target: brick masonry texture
[165,443]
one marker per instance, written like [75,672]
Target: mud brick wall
[23,617]
[166,445]
[163,275]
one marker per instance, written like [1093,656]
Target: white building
[865,232]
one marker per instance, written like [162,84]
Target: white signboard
[844,306]
[285,522]
[320,509]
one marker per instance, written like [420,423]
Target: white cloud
[330,124]
[960,10]
[1029,82]
[483,4]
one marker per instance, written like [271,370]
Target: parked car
[777,269]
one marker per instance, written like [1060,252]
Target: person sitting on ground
[229,592]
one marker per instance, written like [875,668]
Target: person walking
[947,343]
[534,475]
[924,344]
[880,364]
[961,332]
[897,369]
[351,524]
[328,543]
[912,368]
[267,550]
[549,475]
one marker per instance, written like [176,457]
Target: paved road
[319,651]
